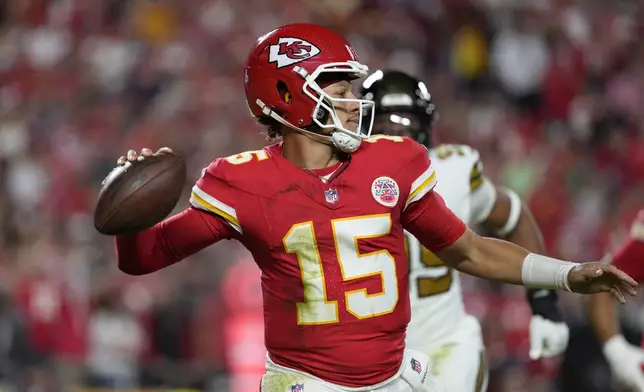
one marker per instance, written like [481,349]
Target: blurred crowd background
[550,91]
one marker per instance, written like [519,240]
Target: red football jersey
[629,256]
[332,255]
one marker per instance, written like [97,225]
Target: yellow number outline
[430,286]
[356,245]
[379,137]
[427,286]
[304,309]
[445,151]
[317,309]
[246,156]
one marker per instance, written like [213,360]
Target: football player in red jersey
[626,361]
[323,213]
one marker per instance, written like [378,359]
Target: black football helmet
[403,105]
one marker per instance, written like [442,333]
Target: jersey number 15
[347,232]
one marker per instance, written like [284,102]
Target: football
[139,194]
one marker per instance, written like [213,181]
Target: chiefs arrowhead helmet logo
[289,51]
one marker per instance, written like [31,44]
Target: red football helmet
[280,79]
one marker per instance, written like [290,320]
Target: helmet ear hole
[283,91]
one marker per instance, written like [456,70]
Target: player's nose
[353,106]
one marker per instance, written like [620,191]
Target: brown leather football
[139,194]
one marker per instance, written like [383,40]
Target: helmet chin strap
[342,141]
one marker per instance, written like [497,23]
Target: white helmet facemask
[344,139]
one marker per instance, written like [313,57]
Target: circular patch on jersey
[385,190]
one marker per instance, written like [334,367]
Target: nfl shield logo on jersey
[385,191]
[297,388]
[331,196]
[415,366]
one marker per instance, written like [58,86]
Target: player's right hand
[626,362]
[132,156]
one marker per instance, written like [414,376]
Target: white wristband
[546,272]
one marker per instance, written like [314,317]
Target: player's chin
[351,126]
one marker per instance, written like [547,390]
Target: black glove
[544,303]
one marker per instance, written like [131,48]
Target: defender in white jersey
[440,326]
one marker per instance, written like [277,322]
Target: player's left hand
[595,277]
[547,338]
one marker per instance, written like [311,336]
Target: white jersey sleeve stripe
[423,184]
[203,201]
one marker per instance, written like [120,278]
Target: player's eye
[343,91]
[346,93]
[338,93]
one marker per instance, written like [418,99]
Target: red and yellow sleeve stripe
[203,201]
